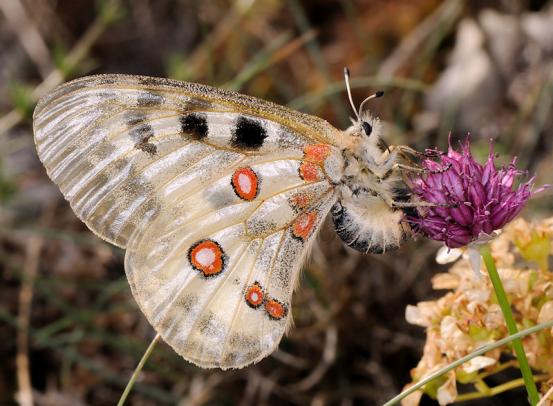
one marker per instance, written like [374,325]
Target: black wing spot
[141,136]
[248,134]
[194,125]
[147,147]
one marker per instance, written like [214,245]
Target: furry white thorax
[364,216]
[369,163]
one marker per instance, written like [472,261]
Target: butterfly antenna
[346,79]
[380,93]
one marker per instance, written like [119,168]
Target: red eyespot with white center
[254,295]
[275,309]
[245,183]
[208,257]
[303,225]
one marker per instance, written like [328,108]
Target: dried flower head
[471,199]
[468,316]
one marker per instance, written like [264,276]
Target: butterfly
[217,198]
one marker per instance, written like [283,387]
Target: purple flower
[470,198]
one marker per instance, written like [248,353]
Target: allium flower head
[471,199]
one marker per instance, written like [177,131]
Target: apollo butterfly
[216,198]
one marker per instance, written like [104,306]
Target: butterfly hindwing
[215,195]
[219,295]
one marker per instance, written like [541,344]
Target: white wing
[108,141]
[217,281]
[215,195]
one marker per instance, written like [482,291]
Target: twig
[496,390]
[409,45]
[328,357]
[30,269]
[28,34]
[56,77]
[25,391]
[221,33]
[276,51]
[315,53]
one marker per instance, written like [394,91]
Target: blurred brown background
[67,318]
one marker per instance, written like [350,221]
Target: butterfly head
[365,127]
[365,215]
[364,118]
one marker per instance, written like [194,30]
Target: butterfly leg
[383,167]
[390,165]
[402,205]
[404,149]
[407,168]
[395,204]
[414,169]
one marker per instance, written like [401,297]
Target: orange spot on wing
[275,309]
[245,183]
[301,200]
[303,225]
[254,295]
[316,152]
[310,172]
[207,257]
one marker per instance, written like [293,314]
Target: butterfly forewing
[216,196]
[102,138]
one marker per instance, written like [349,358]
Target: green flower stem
[533,396]
[481,350]
[137,370]
[496,390]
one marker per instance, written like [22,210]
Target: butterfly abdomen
[375,230]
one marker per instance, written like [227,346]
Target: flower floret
[470,198]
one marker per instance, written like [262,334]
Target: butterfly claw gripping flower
[472,200]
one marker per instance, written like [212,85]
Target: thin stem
[533,395]
[496,390]
[497,369]
[482,350]
[137,370]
